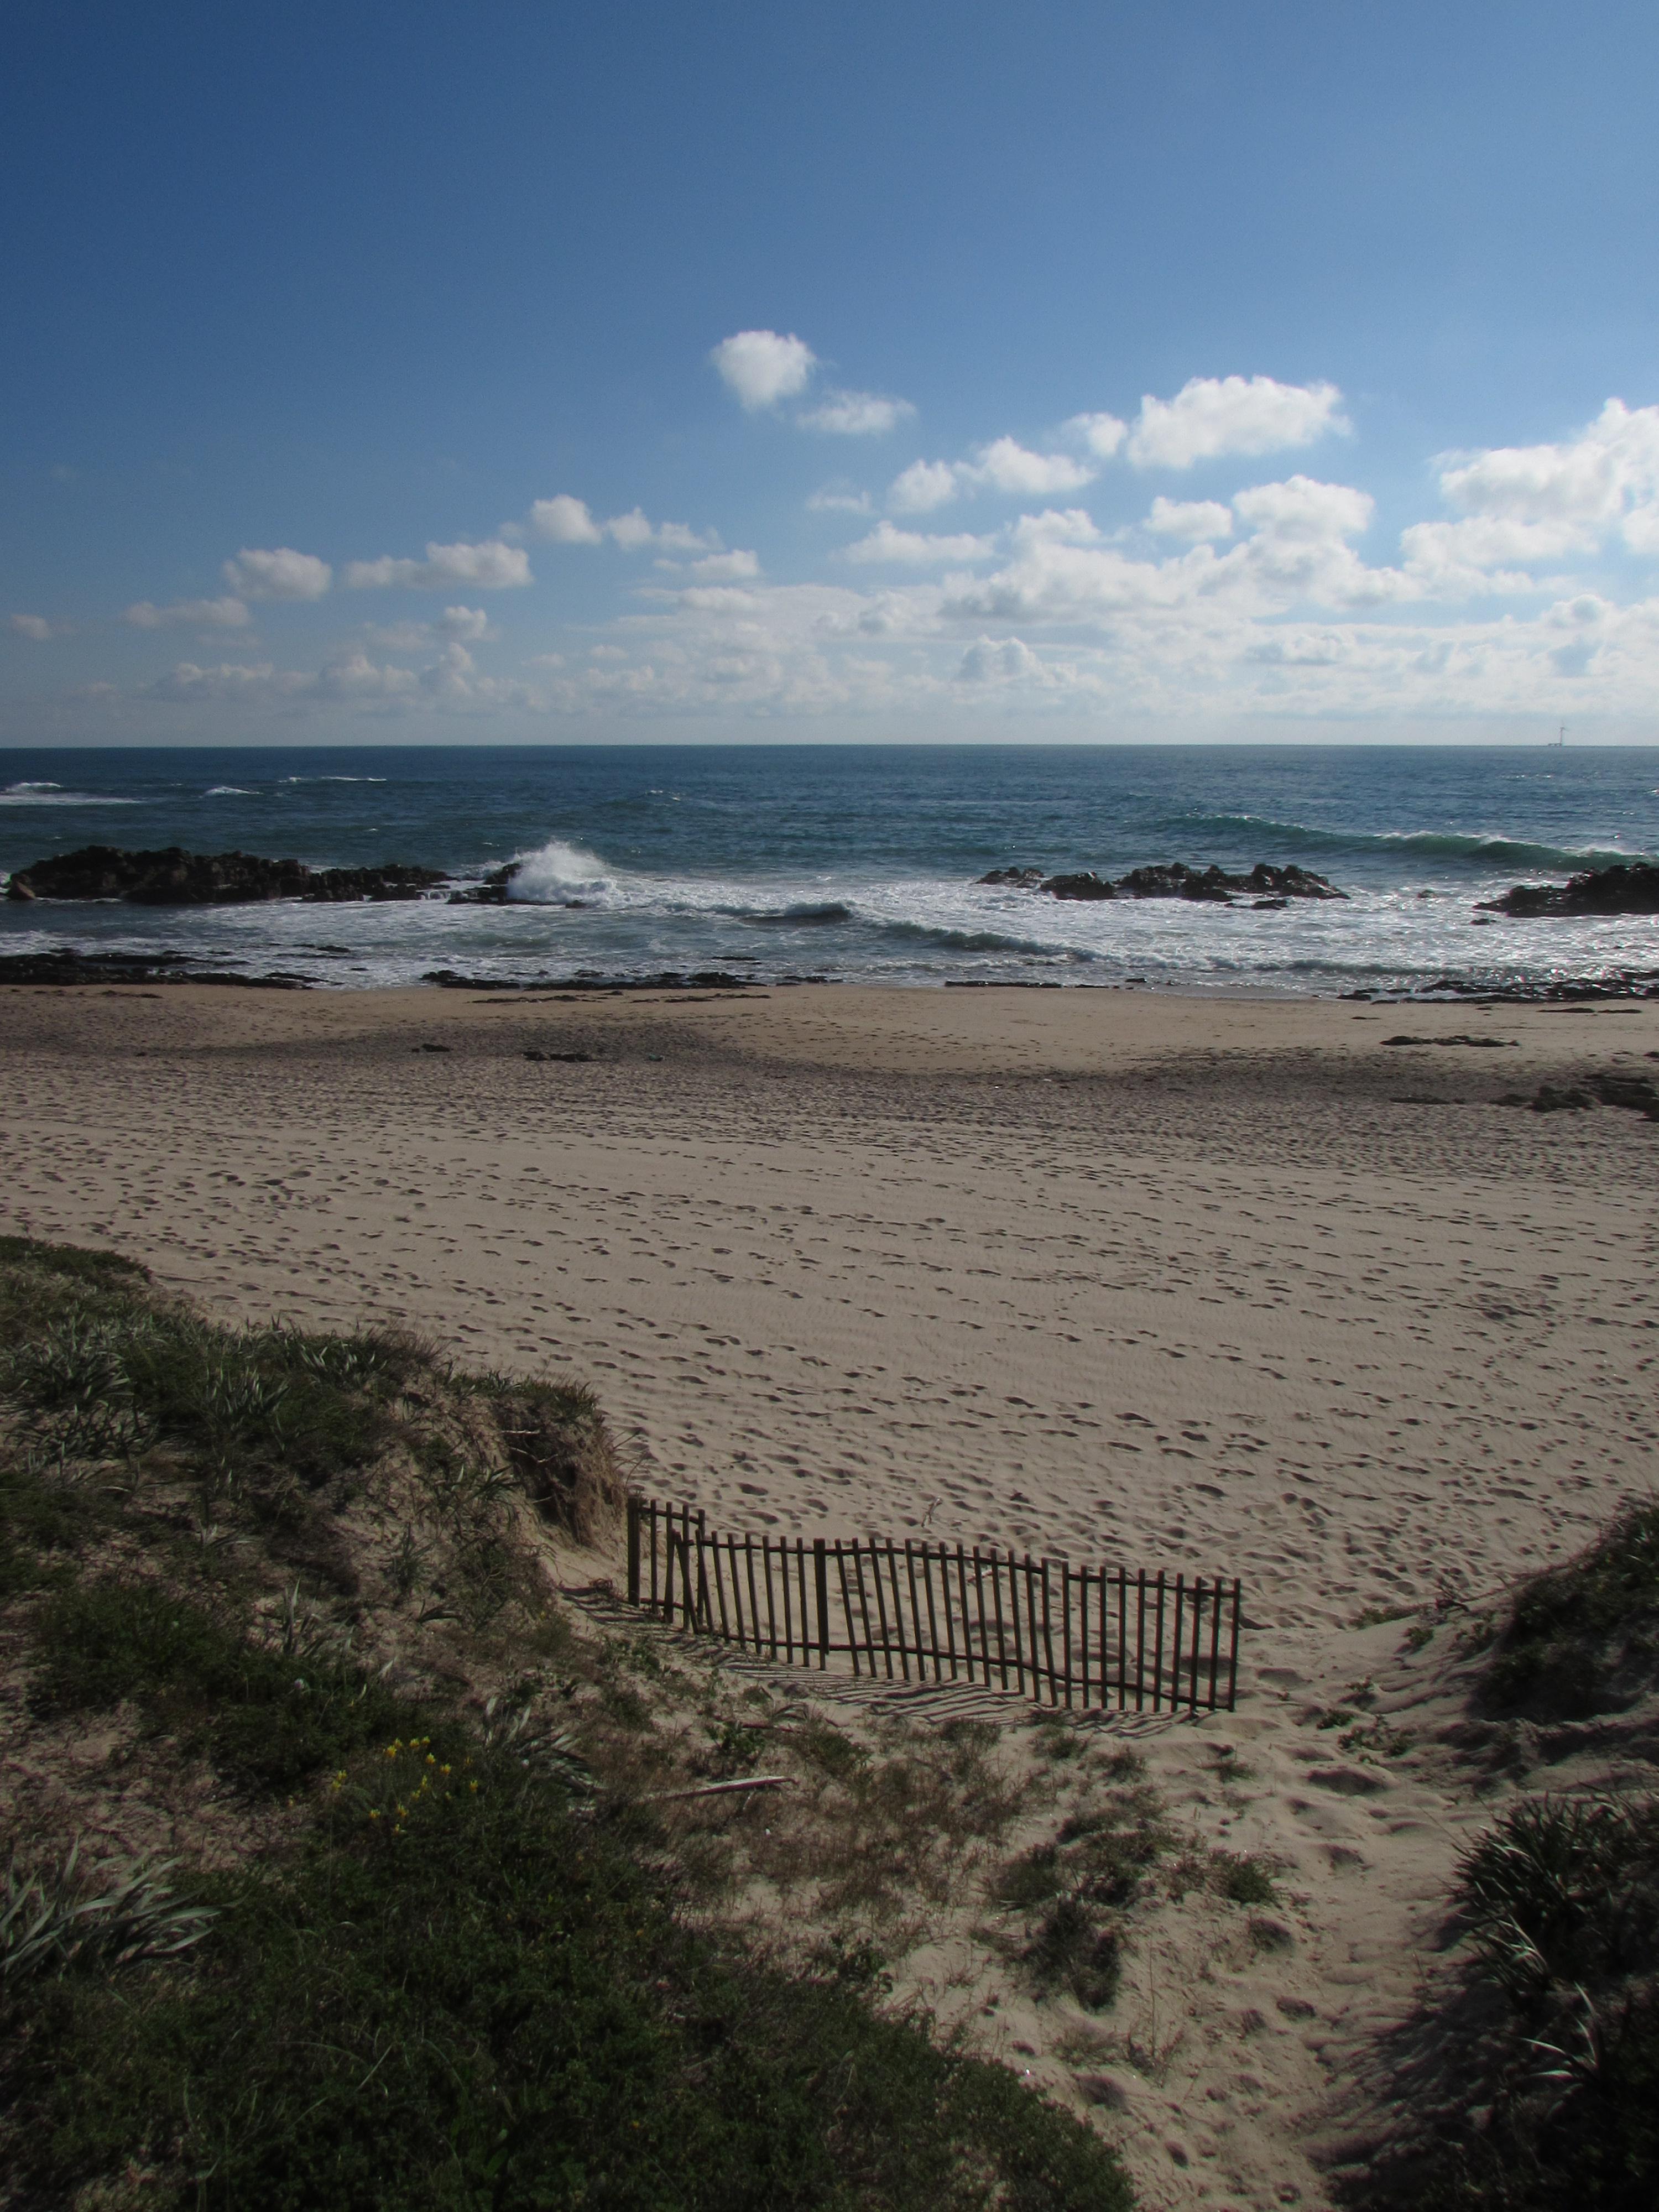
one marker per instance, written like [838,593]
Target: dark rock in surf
[172,877]
[1267,887]
[1632,888]
[1087,885]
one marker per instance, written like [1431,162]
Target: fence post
[821,1579]
[633,1549]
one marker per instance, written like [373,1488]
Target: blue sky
[568,373]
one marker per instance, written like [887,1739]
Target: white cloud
[857,414]
[915,549]
[206,614]
[1193,519]
[471,625]
[564,520]
[681,539]
[31,626]
[1305,510]
[350,678]
[281,573]
[1604,480]
[1067,525]
[631,531]
[998,660]
[1006,465]
[1487,553]
[1102,434]
[734,567]
[1003,466]
[839,499]
[922,487]
[763,367]
[492,566]
[1213,415]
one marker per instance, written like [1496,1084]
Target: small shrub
[52,1924]
[267,1715]
[1565,1890]
[1575,1631]
[73,1263]
[1241,1880]
[1072,1951]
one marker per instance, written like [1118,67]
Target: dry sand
[1225,1285]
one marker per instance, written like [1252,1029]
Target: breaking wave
[53,794]
[1487,851]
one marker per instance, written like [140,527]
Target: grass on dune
[441,1968]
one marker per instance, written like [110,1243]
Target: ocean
[857,863]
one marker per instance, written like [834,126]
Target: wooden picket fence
[1072,1637]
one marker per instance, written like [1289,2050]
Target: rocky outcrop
[1266,886]
[175,878]
[65,965]
[1632,888]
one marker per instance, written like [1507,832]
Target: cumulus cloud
[915,549]
[1605,480]
[856,414]
[839,499]
[922,487]
[1304,509]
[205,614]
[733,568]
[1212,417]
[1065,525]
[565,520]
[280,574]
[998,660]
[1003,466]
[30,626]
[1192,519]
[763,367]
[492,566]
[350,678]
[1102,434]
[1006,465]
[469,624]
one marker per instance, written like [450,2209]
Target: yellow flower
[374,1813]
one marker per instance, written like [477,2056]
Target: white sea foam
[227,791]
[53,794]
[557,873]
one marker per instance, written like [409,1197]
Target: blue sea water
[859,862]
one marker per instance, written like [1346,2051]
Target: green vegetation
[1560,1899]
[1584,1638]
[433,1958]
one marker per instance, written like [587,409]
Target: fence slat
[945,1599]
[1174,1644]
[1170,1666]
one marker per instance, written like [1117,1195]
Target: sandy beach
[1246,1286]
[1220,1284]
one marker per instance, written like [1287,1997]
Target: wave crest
[554,873]
[1485,849]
